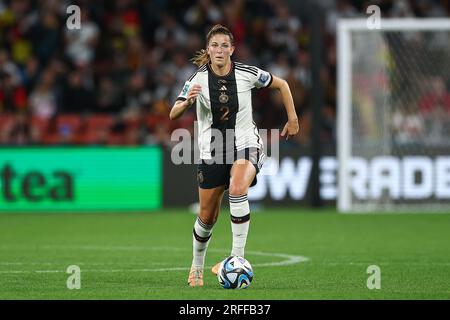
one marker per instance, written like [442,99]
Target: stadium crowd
[114,80]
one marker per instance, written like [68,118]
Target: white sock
[200,236]
[240,222]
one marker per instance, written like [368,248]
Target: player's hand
[193,93]
[290,128]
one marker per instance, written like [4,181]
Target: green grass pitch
[147,255]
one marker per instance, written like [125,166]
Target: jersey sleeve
[263,79]
[187,86]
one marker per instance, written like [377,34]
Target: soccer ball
[235,273]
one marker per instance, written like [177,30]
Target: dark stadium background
[113,83]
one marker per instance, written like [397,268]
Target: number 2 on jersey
[225,111]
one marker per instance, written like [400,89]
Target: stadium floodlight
[393,115]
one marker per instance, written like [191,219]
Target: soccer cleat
[215,269]
[195,277]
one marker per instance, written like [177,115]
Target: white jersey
[225,104]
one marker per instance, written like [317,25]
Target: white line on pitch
[289,259]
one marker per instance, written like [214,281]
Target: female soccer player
[231,150]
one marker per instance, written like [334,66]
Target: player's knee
[211,220]
[238,189]
[208,215]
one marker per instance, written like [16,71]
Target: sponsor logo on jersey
[185,89]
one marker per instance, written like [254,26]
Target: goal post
[393,115]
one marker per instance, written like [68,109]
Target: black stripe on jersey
[201,69]
[239,64]
[246,67]
[223,113]
[192,77]
[255,73]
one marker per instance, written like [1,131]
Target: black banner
[291,186]
[218,309]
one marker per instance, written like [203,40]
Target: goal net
[394,115]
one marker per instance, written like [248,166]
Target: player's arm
[291,127]
[180,106]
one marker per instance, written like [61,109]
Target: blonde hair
[201,57]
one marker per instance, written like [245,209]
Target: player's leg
[243,173]
[242,176]
[210,202]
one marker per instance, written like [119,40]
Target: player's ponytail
[201,57]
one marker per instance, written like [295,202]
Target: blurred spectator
[243,54]
[436,101]
[135,53]
[202,13]
[429,8]
[408,126]
[233,18]
[280,67]
[43,99]
[283,30]
[13,96]
[129,17]
[344,9]
[30,73]
[81,43]
[434,108]
[401,9]
[302,71]
[329,124]
[166,87]
[8,67]
[170,35]
[45,35]
[77,97]
[180,68]
[137,95]
[109,96]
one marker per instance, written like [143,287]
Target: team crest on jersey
[223,98]
[263,78]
